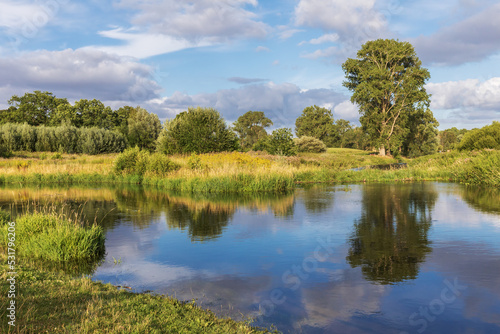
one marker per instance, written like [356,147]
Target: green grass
[51,238]
[49,300]
[238,172]
[53,302]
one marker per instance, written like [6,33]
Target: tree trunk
[381,150]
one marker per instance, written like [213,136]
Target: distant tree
[281,142]
[250,127]
[33,108]
[387,81]
[143,129]
[422,134]
[93,114]
[485,137]
[342,127]
[198,130]
[317,122]
[449,138]
[122,116]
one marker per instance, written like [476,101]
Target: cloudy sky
[276,56]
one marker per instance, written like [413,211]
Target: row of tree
[139,127]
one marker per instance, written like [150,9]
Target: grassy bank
[52,301]
[254,172]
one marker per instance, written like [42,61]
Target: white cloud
[77,74]
[330,52]
[472,39]
[470,103]
[282,103]
[144,45]
[327,38]
[215,20]
[347,18]
[262,49]
[466,93]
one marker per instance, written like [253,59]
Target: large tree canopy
[317,122]
[251,128]
[387,81]
[34,108]
[199,130]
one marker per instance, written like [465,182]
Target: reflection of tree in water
[390,239]
[483,199]
[316,199]
[203,223]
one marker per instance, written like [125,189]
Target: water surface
[377,258]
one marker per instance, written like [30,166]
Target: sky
[276,56]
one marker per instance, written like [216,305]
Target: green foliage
[251,128]
[198,130]
[4,217]
[194,162]
[64,139]
[281,142]
[387,82]
[93,114]
[134,161]
[143,129]
[97,141]
[477,139]
[318,123]
[34,108]
[51,238]
[309,144]
[450,138]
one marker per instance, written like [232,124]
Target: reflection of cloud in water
[476,266]
[225,295]
[338,301]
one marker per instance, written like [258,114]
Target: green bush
[281,142]
[309,144]
[198,130]
[135,161]
[63,139]
[4,217]
[477,139]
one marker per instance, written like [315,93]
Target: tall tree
[90,113]
[317,122]
[34,108]
[250,128]
[387,80]
[143,129]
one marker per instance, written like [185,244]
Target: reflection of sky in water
[240,268]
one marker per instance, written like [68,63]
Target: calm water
[405,258]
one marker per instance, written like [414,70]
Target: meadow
[247,172]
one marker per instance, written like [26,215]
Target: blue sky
[276,56]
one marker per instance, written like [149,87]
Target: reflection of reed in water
[203,216]
[485,199]
[390,239]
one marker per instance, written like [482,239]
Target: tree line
[387,80]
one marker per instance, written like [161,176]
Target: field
[253,171]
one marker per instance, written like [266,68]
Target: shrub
[281,142]
[198,130]
[159,164]
[135,161]
[477,139]
[309,144]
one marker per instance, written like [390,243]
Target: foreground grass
[55,302]
[255,172]
[49,302]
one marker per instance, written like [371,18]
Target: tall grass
[52,238]
[248,172]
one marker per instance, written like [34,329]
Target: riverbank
[53,301]
[255,172]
